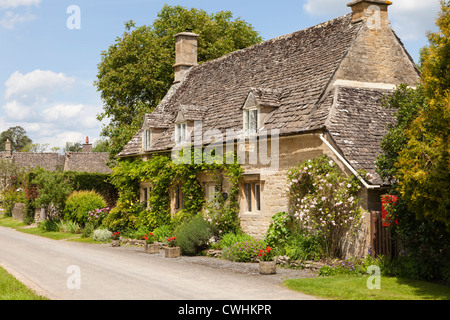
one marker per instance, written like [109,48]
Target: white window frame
[180,133]
[147,139]
[251,126]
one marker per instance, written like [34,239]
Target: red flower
[268,249]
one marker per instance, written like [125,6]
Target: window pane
[246,122]
[248,196]
[258,196]
[177,198]
[253,121]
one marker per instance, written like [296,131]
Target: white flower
[331,162]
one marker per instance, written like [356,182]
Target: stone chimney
[375,12]
[87,147]
[8,149]
[185,53]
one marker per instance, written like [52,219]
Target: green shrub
[102,235]
[193,236]
[87,230]
[279,231]
[304,246]
[162,233]
[231,238]
[243,251]
[48,225]
[68,227]
[80,203]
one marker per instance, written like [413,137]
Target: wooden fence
[380,237]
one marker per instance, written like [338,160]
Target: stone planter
[172,252]
[267,267]
[115,243]
[152,248]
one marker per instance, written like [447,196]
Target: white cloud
[10,19]
[410,18]
[7,4]
[34,101]
[62,112]
[17,11]
[36,85]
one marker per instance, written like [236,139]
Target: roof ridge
[279,38]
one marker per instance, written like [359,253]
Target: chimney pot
[87,147]
[185,53]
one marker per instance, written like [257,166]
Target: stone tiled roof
[71,161]
[93,162]
[290,72]
[357,124]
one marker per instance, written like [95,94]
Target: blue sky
[47,70]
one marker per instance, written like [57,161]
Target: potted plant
[267,262]
[115,239]
[150,244]
[172,251]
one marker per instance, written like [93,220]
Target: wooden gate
[380,237]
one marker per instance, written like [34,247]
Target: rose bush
[324,201]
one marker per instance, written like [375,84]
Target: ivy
[164,174]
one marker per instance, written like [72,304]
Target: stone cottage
[85,161]
[313,92]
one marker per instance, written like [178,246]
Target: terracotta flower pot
[152,248]
[172,252]
[267,267]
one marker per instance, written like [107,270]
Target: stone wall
[19,211]
[377,56]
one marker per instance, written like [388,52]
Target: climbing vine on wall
[163,174]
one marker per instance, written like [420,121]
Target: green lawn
[22,227]
[11,289]
[355,288]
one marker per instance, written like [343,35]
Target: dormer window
[251,121]
[147,139]
[180,133]
[257,106]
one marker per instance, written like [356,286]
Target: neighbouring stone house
[317,91]
[85,161]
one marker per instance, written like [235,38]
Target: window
[252,193]
[180,133]
[213,190]
[251,121]
[145,194]
[147,139]
[179,198]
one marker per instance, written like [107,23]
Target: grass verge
[12,289]
[355,288]
[9,222]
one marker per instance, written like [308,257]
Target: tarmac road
[63,270]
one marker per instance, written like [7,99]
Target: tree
[101,145]
[424,164]
[137,70]
[18,138]
[415,159]
[73,147]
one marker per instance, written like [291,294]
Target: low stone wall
[19,211]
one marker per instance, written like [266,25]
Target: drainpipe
[368,186]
